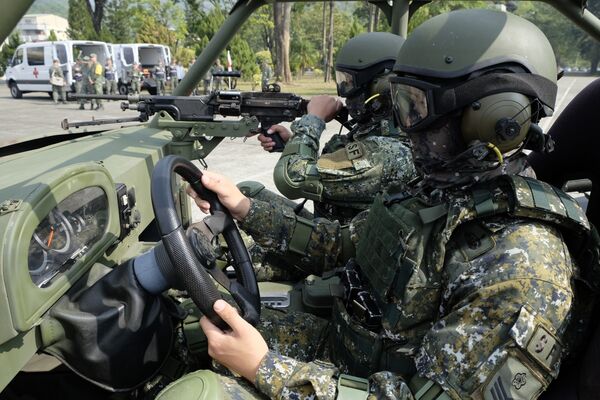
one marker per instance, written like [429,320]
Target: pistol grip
[279,143]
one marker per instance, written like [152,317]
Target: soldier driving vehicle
[476,281]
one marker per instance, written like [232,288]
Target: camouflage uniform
[85,87]
[78,78]
[481,299]
[58,91]
[352,169]
[159,76]
[110,77]
[96,82]
[349,181]
[135,75]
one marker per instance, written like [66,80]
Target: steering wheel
[191,272]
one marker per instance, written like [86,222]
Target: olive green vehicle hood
[46,176]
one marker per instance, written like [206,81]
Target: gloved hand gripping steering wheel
[193,275]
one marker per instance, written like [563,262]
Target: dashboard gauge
[54,233]
[66,234]
[38,260]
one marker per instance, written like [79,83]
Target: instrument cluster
[66,234]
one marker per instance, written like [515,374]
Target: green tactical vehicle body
[101,181]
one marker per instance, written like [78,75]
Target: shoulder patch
[513,381]
[355,150]
[336,160]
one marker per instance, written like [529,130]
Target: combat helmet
[362,70]
[498,68]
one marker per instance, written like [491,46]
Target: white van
[29,68]
[147,55]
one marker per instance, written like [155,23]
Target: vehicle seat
[577,137]
[198,385]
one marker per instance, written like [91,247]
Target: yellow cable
[497,151]
[372,97]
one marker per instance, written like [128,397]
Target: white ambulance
[29,68]
[145,54]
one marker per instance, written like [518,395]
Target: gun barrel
[66,125]
[131,97]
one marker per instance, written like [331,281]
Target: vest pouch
[354,349]
[391,248]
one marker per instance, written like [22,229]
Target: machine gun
[258,112]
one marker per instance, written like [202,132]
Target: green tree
[117,21]
[8,50]
[52,36]
[159,21]
[203,24]
[80,22]
[571,45]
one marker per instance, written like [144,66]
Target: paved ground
[35,115]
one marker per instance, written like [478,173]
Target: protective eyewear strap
[449,99]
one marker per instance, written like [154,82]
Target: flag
[229,63]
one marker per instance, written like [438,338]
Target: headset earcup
[502,119]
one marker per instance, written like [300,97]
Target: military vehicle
[76,208]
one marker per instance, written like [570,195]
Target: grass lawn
[307,86]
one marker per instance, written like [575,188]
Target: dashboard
[54,236]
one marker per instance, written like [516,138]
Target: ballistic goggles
[417,104]
[350,81]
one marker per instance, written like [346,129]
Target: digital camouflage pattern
[486,296]
[371,158]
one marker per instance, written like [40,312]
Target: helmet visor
[410,105]
[346,83]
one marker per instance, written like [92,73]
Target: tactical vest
[401,256]
[159,73]
[109,74]
[77,74]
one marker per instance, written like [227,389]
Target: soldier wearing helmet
[464,287]
[352,168]
[372,157]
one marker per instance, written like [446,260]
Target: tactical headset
[502,119]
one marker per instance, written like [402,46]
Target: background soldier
[110,77]
[85,85]
[78,80]
[57,79]
[206,80]
[135,75]
[173,75]
[159,77]
[217,80]
[96,80]
[467,284]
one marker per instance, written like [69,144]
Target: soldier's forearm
[308,130]
[281,377]
[319,243]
